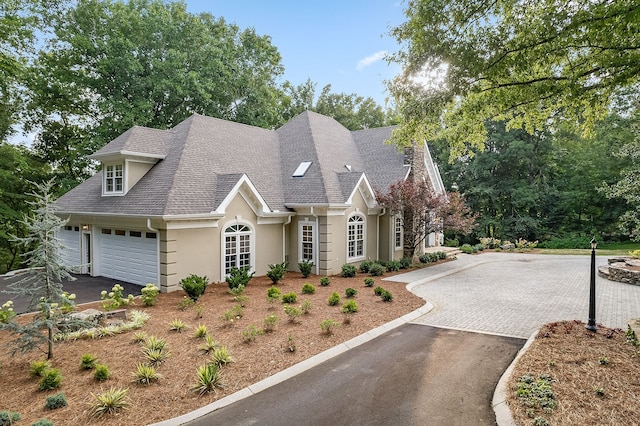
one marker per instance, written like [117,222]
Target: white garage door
[70,239]
[129,256]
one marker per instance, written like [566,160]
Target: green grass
[606,249]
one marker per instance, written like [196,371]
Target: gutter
[150,228]
[284,237]
[384,210]
[317,229]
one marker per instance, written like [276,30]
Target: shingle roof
[204,157]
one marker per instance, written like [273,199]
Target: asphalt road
[412,375]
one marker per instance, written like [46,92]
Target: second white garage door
[128,255]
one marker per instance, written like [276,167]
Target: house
[210,194]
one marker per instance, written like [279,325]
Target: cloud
[378,56]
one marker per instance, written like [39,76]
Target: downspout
[384,210]
[284,237]
[317,241]
[158,284]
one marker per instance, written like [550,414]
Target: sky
[337,42]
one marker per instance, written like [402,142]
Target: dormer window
[114,179]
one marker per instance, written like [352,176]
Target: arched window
[237,247]
[355,237]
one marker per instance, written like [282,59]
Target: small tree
[42,285]
[422,211]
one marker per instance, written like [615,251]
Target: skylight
[302,169]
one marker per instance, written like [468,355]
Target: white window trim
[397,247]
[252,245]
[314,240]
[364,237]
[105,178]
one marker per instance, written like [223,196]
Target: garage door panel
[130,259]
[71,247]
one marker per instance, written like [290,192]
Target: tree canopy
[526,63]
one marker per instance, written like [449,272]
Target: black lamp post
[591,325]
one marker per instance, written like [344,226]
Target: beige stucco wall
[134,170]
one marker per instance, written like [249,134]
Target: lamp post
[591,325]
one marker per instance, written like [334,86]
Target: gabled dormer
[126,159]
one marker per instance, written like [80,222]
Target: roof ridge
[188,122]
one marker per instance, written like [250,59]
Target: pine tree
[43,283]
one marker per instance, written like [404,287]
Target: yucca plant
[221,356]
[155,357]
[145,374]
[139,337]
[209,345]
[178,325]
[201,331]
[109,402]
[154,343]
[208,379]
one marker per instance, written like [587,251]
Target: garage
[70,238]
[127,255]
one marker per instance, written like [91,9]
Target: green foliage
[7,312]
[273,293]
[365,265]
[149,294]
[369,282]
[306,266]
[232,314]
[377,270]
[308,288]
[350,292]
[349,271]
[38,368]
[136,320]
[194,286]
[429,257]
[325,281]
[567,242]
[536,393]
[178,325]
[393,265]
[209,345]
[386,296]
[328,326]
[291,344]
[208,379]
[186,303]
[238,295]
[238,276]
[43,422]
[292,312]
[306,307]
[8,418]
[139,337]
[405,262]
[201,331]
[155,357]
[101,372]
[109,402]
[221,356]
[291,297]
[115,298]
[451,243]
[145,374]
[51,379]
[270,323]
[635,254]
[276,272]
[154,343]
[350,307]
[58,400]
[88,362]
[466,248]
[378,291]
[334,299]
[249,335]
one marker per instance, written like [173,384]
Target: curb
[499,401]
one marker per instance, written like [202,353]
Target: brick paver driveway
[513,294]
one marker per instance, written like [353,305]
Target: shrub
[393,265]
[378,291]
[208,379]
[209,345]
[115,299]
[155,357]
[139,337]
[306,266]
[369,282]
[452,242]
[38,368]
[365,266]
[273,294]
[376,270]
[221,356]
[109,402]
[386,296]
[441,255]
[466,248]
[43,422]
[101,372]
[567,242]
[350,292]
[8,418]
[6,312]
[153,342]
[328,326]
[308,288]
[145,374]
[270,323]
[277,271]
[405,262]
[292,312]
[291,344]
[58,400]
[194,286]
[350,307]
[88,362]
[349,271]
[306,307]
[51,379]
[325,281]
[334,299]
[177,325]
[424,258]
[186,303]
[239,276]
[289,297]
[635,254]
[149,294]
[249,335]
[201,331]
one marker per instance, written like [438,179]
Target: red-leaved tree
[423,211]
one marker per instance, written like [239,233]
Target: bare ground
[172,395]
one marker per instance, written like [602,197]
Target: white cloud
[378,56]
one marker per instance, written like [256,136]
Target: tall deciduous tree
[523,62]
[422,211]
